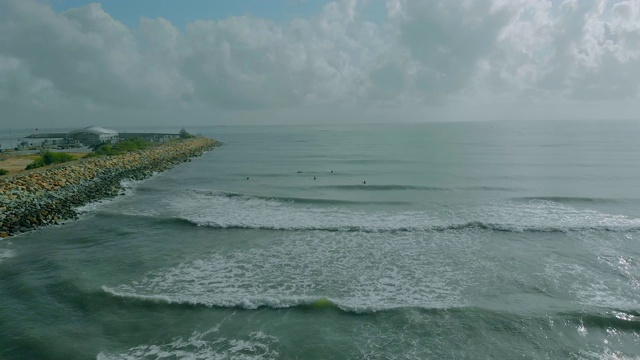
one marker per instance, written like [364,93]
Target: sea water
[406,241]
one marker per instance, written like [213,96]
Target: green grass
[4,172]
[120,147]
[49,158]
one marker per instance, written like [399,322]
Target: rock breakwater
[48,196]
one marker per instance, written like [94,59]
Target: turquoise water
[468,240]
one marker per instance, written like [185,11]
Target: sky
[70,63]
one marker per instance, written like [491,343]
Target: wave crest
[307,302]
[225,210]
[613,318]
[472,225]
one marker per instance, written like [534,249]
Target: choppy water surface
[468,240]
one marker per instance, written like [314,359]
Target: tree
[184,134]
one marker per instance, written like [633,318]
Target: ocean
[466,240]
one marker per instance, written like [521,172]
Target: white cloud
[17,85]
[82,52]
[572,50]
[427,53]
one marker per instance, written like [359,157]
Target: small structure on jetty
[94,135]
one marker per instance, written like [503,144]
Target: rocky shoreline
[48,196]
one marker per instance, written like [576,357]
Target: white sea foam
[361,273]
[6,254]
[615,276]
[605,354]
[129,188]
[600,272]
[220,210]
[132,185]
[371,271]
[253,302]
[203,345]
[224,210]
[91,207]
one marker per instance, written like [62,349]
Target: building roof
[93,130]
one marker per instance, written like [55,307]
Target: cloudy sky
[67,63]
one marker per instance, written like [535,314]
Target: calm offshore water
[468,240]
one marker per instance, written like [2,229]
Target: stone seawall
[49,195]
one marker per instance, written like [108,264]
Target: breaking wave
[223,210]
[597,318]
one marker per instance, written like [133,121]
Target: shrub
[4,172]
[184,134]
[49,158]
[121,147]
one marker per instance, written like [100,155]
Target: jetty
[48,196]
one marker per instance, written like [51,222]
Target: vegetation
[90,155]
[184,134]
[120,147]
[3,172]
[49,158]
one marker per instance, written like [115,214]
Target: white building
[94,135]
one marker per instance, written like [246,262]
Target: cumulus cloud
[424,53]
[586,50]
[83,52]
[244,62]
